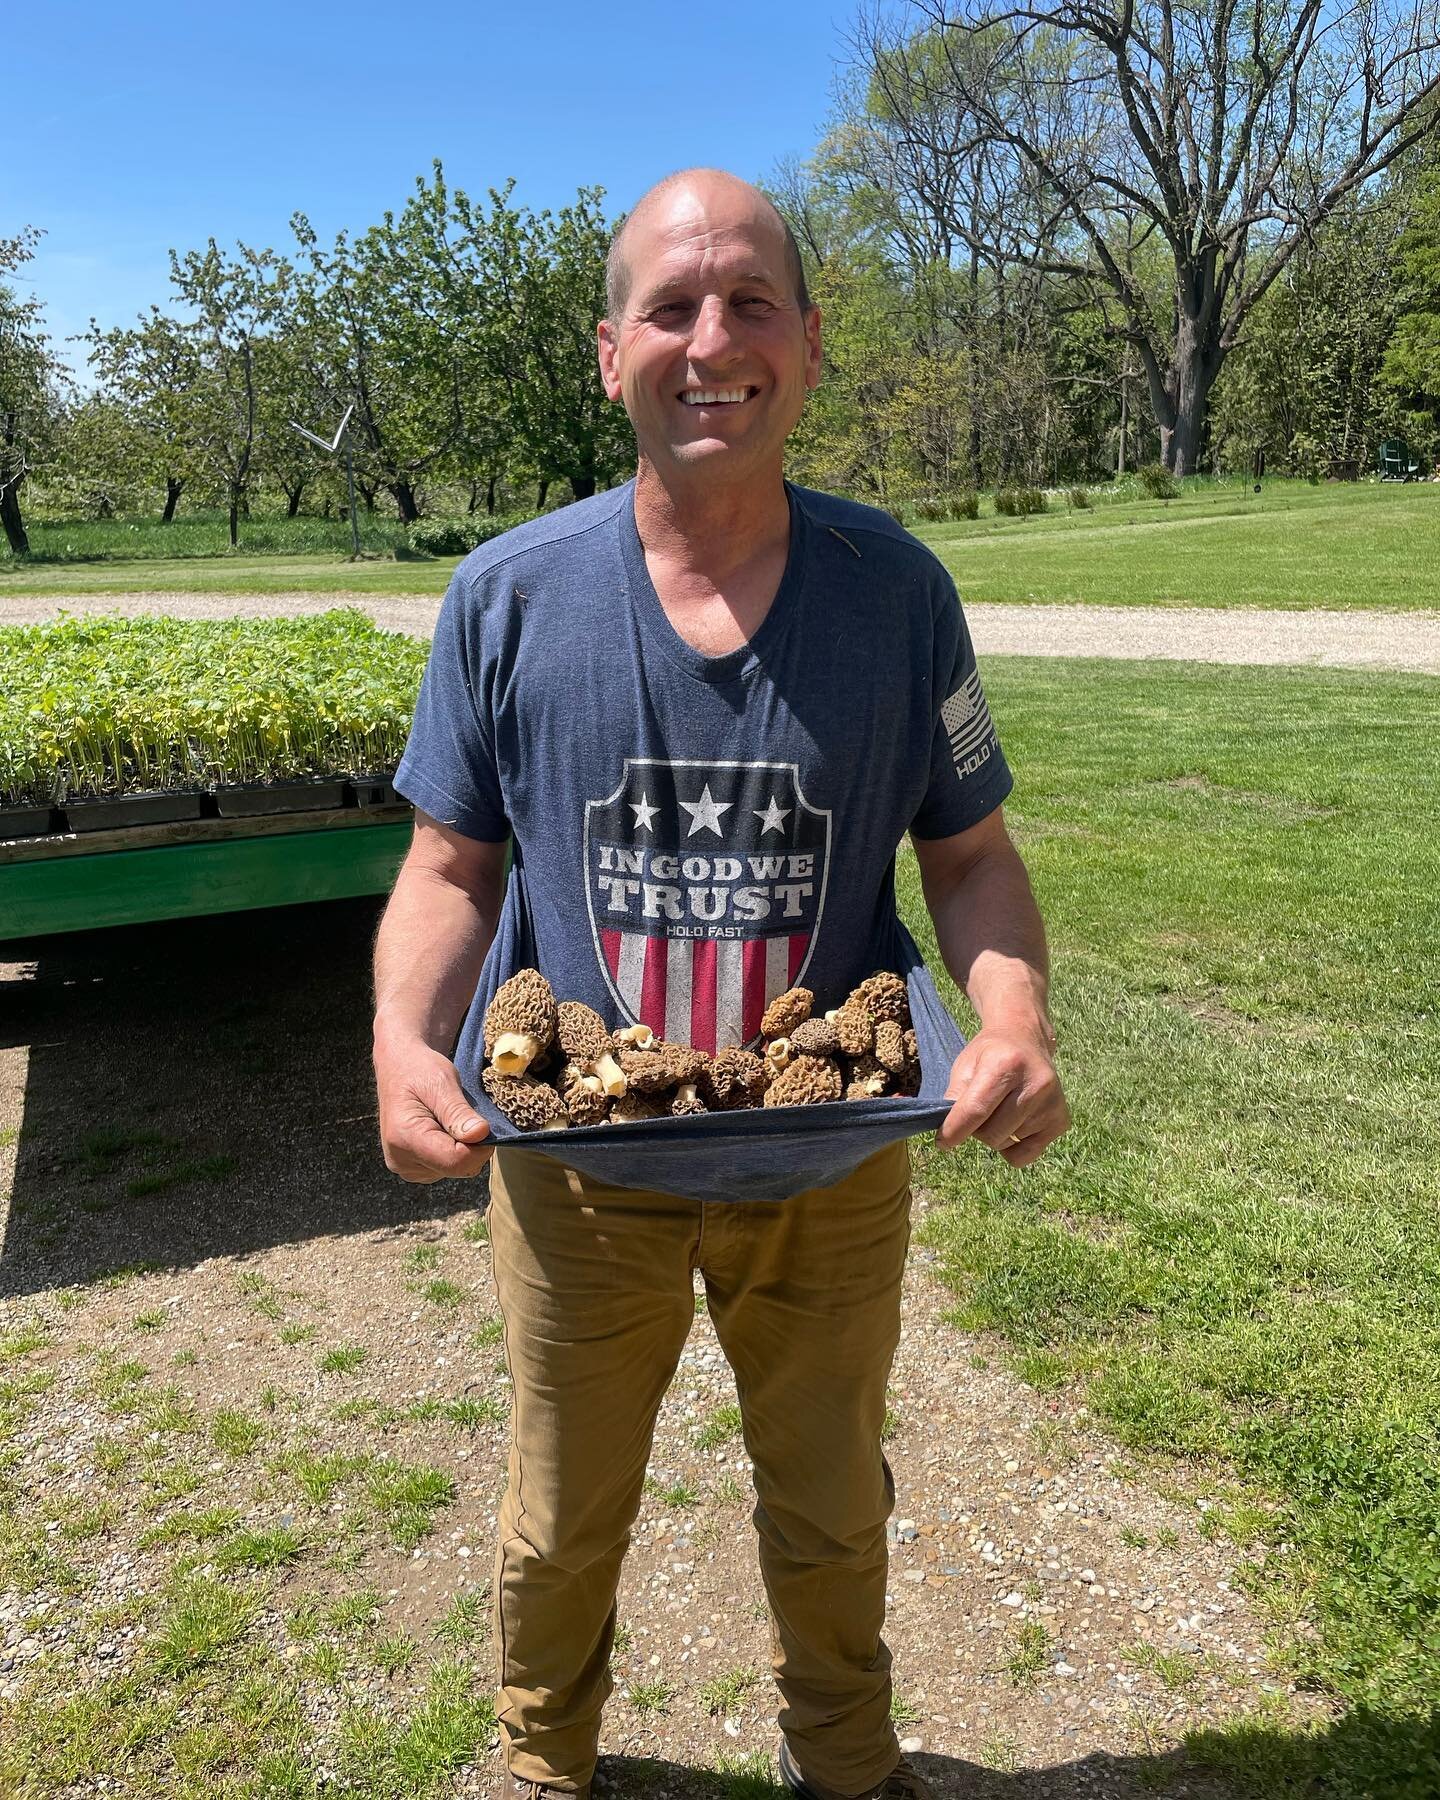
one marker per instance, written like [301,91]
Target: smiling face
[711,355]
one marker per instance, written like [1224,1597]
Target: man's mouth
[727,396]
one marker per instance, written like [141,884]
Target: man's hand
[1007,1094]
[428,1129]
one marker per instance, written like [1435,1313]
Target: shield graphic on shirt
[705,883]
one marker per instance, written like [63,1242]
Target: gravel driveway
[1348,640]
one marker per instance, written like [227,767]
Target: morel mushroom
[808,1081]
[587,1044]
[883,996]
[586,1101]
[734,1079]
[868,1079]
[786,1011]
[815,1037]
[633,1106]
[519,1022]
[855,1029]
[525,1102]
[890,1046]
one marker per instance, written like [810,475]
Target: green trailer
[76,881]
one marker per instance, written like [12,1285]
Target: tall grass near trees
[1235,1250]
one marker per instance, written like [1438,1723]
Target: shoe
[902,1783]
[515,1789]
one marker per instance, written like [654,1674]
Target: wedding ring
[1014,1137]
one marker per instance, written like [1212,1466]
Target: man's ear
[608,346]
[812,348]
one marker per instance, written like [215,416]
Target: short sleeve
[969,776]
[449,767]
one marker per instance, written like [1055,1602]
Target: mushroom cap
[647,1071]
[863,1071]
[816,1037]
[733,1079]
[584,1035]
[786,1011]
[683,1108]
[890,1046]
[855,1029]
[526,1103]
[633,1106]
[585,1100]
[884,996]
[687,1065]
[808,1081]
[525,1004]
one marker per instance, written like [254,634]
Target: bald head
[699,185]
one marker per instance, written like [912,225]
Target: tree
[239,304]
[379,338]
[1225,133]
[537,291]
[152,372]
[31,379]
[1412,361]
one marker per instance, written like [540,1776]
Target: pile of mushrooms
[550,1065]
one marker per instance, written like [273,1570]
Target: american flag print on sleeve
[969,727]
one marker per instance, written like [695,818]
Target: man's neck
[711,530]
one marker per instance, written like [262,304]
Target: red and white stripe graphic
[708,992]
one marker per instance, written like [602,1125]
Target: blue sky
[128,129]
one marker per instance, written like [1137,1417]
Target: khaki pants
[595,1288]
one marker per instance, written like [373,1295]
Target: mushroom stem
[779,1054]
[612,1076]
[639,1037]
[514,1052]
[685,1094]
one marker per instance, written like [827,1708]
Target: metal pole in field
[350,486]
[330,448]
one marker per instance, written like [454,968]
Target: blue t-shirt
[699,833]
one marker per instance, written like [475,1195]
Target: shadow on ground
[1363,1755]
[196,1088]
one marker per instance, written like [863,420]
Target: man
[728,679]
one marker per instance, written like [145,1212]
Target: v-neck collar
[734,665]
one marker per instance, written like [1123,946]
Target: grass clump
[407,1497]
[722,1427]
[723,1695]
[345,1359]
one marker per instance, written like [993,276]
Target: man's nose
[712,338]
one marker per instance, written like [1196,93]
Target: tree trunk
[11,519]
[404,495]
[473,504]
[367,494]
[490,496]
[172,499]
[1182,398]
[544,490]
[293,496]
[234,519]
[582,486]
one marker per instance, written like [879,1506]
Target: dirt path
[1353,640]
[1057,1624]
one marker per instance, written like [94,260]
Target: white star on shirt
[644,813]
[773,817]
[705,812]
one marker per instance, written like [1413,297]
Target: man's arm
[992,941]
[429,953]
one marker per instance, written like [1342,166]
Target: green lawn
[1291,546]
[1361,545]
[1235,1251]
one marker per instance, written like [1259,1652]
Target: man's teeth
[715,396]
